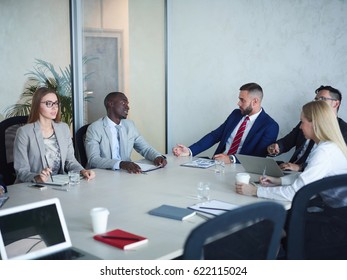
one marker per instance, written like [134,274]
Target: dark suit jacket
[2,183]
[296,139]
[262,134]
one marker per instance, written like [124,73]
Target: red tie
[237,139]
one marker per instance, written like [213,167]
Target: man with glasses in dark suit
[296,138]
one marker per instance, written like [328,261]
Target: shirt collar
[255,116]
[111,123]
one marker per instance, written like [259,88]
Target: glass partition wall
[119,45]
[99,34]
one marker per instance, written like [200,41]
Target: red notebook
[121,239]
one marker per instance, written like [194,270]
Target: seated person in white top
[327,158]
[111,139]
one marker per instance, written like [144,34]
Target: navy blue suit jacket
[263,133]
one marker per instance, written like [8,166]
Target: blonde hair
[325,125]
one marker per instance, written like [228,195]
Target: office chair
[249,232]
[80,136]
[8,129]
[316,231]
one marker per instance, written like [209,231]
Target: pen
[264,172]
[120,237]
[58,189]
[212,208]
[50,174]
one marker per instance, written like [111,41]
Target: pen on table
[61,189]
[212,208]
[50,174]
[120,237]
[264,172]
[264,175]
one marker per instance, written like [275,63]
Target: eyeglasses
[322,98]
[50,104]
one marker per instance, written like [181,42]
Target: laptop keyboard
[68,254]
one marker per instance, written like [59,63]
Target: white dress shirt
[116,146]
[325,159]
[249,125]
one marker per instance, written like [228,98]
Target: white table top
[129,197]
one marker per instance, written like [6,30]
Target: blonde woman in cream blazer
[44,146]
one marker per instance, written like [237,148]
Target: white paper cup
[99,217]
[242,178]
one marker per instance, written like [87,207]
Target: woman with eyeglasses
[43,147]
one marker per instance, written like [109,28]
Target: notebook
[257,165]
[147,167]
[37,231]
[121,239]
[3,199]
[213,207]
[172,212]
[200,163]
[58,180]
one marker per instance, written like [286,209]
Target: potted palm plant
[44,74]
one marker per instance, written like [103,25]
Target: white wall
[30,29]
[289,47]
[147,69]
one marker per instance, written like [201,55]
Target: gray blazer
[29,151]
[98,144]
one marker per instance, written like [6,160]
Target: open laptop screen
[33,230]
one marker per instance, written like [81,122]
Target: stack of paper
[213,207]
[200,163]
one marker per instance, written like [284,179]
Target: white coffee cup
[99,217]
[242,178]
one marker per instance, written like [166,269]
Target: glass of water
[219,166]
[203,191]
[74,177]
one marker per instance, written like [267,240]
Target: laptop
[257,165]
[37,231]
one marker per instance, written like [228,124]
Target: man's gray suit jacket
[99,144]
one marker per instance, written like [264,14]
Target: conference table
[129,197]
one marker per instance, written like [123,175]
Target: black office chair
[8,129]
[316,231]
[81,151]
[249,232]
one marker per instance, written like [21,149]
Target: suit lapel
[109,136]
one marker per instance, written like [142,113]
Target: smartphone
[38,187]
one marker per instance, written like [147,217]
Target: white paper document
[58,180]
[213,207]
[147,167]
[200,163]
